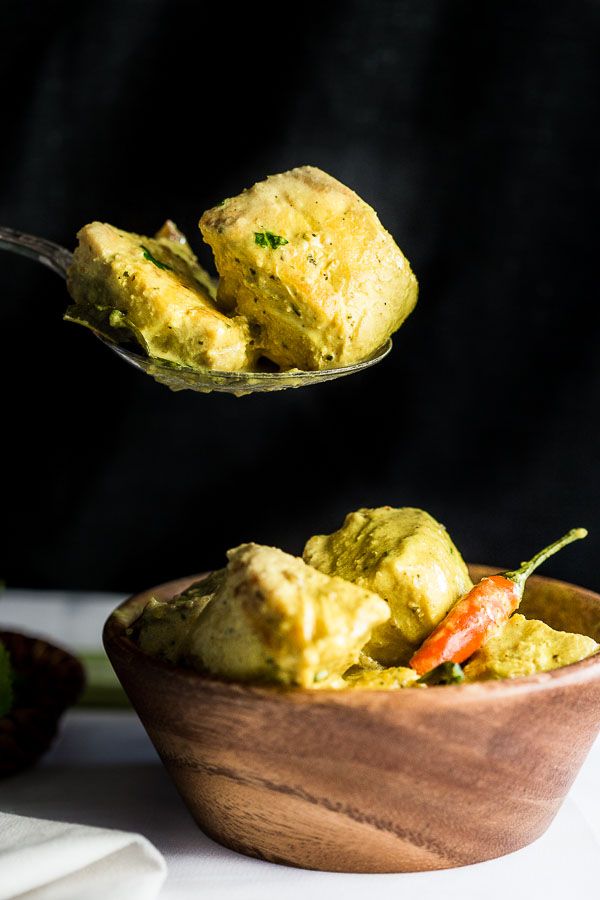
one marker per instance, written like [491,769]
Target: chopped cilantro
[116,318]
[152,259]
[268,239]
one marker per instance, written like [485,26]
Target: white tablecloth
[104,771]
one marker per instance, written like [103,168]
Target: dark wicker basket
[47,681]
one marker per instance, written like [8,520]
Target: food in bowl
[271,618]
[406,557]
[309,279]
[524,646]
[385,603]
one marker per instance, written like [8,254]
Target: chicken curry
[355,613]
[309,280]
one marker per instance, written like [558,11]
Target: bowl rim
[115,638]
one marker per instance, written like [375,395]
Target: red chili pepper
[489,604]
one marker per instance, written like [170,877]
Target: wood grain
[369,782]
[48,680]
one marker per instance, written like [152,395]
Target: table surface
[104,771]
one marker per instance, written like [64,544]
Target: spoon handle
[46,252]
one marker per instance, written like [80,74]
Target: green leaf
[6,682]
[268,239]
[157,262]
[117,319]
[445,673]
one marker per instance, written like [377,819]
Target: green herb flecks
[6,682]
[117,319]
[152,259]
[445,673]
[320,676]
[268,239]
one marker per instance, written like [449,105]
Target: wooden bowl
[357,781]
[48,680]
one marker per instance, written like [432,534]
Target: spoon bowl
[180,378]
[176,377]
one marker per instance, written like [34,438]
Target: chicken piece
[165,627]
[525,646]
[311,267]
[407,558]
[276,619]
[154,290]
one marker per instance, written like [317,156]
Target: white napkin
[43,860]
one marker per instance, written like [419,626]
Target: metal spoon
[179,378]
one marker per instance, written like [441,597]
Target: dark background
[468,126]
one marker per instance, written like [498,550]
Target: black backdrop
[469,127]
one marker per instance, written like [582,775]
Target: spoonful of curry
[311,287]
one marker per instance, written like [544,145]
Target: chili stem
[520,575]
